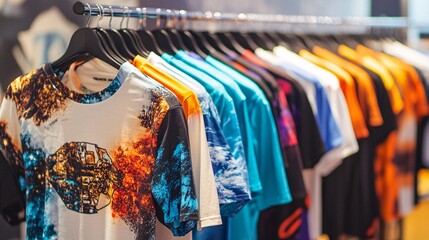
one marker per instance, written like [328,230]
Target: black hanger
[146,37]
[230,42]
[202,42]
[163,39]
[191,42]
[242,40]
[213,40]
[109,44]
[176,38]
[280,40]
[250,41]
[295,44]
[257,39]
[85,42]
[272,40]
[107,40]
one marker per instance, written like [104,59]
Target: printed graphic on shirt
[36,98]
[80,172]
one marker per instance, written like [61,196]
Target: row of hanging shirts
[231,135]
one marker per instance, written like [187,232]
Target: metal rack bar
[92,9]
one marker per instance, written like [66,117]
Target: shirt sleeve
[11,164]
[172,182]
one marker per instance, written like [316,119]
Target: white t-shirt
[102,165]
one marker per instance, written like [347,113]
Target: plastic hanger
[272,40]
[295,44]
[192,43]
[84,43]
[229,40]
[163,39]
[131,39]
[215,42]
[118,42]
[258,39]
[146,37]
[241,40]
[175,36]
[106,39]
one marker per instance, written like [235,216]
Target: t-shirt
[83,159]
[275,189]
[415,107]
[338,104]
[309,137]
[365,87]
[329,128]
[225,105]
[316,98]
[375,66]
[334,157]
[205,184]
[234,91]
[230,173]
[348,87]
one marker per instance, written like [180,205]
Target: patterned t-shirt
[101,165]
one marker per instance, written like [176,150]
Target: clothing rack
[92,9]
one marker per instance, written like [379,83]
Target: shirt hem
[274,201]
[209,222]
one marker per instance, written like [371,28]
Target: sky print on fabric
[230,174]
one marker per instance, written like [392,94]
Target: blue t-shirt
[239,100]
[329,129]
[230,173]
[275,189]
[227,112]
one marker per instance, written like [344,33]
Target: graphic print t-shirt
[91,168]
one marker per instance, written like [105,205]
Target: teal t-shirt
[214,78]
[275,189]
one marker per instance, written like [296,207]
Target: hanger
[130,37]
[173,33]
[241,40]
[214,40]
[273,39]
[146,37]
[118,41]
[106,39]
[256,38]
[294,43]
[230,42]
[163,38]
[84,43]
[191,41]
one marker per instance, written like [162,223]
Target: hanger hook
[128,16]
[144,18]
[90,14]
[139,12]
[123,16]
[158,18]
[111,17]
[101,9]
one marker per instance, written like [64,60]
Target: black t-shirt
[12,202]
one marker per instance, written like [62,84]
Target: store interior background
[34,32]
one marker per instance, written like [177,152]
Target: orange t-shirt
[366,92]
[186,96]
[407,77]
[375,66]
[347,85]
[386,172]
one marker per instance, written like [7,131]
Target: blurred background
[35,32]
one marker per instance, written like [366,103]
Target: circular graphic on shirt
[80,173]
